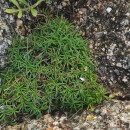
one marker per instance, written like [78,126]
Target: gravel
[107,26]
[114,115]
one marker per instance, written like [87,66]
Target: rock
[56,128]
[63,119]
[48,119]
[118,65]
[90,117]
[109,9]
[125,79]
[127,107]
[124,22]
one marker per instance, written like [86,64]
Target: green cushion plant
[50,70]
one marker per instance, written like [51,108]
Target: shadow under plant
[50,70]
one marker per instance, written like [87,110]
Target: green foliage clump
[51,70]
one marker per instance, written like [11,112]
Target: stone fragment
[109,9]
[48,119]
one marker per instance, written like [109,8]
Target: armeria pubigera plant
[51,70]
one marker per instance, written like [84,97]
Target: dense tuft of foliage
[50,70]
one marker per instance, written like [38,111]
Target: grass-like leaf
[24,2]
[34,12]
[10,11]
[15,2]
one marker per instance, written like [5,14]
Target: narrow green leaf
[34,12]
[20,14]
[15,3]
[38,2]
[10,11]
[24,2]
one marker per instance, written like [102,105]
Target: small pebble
[109,9]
